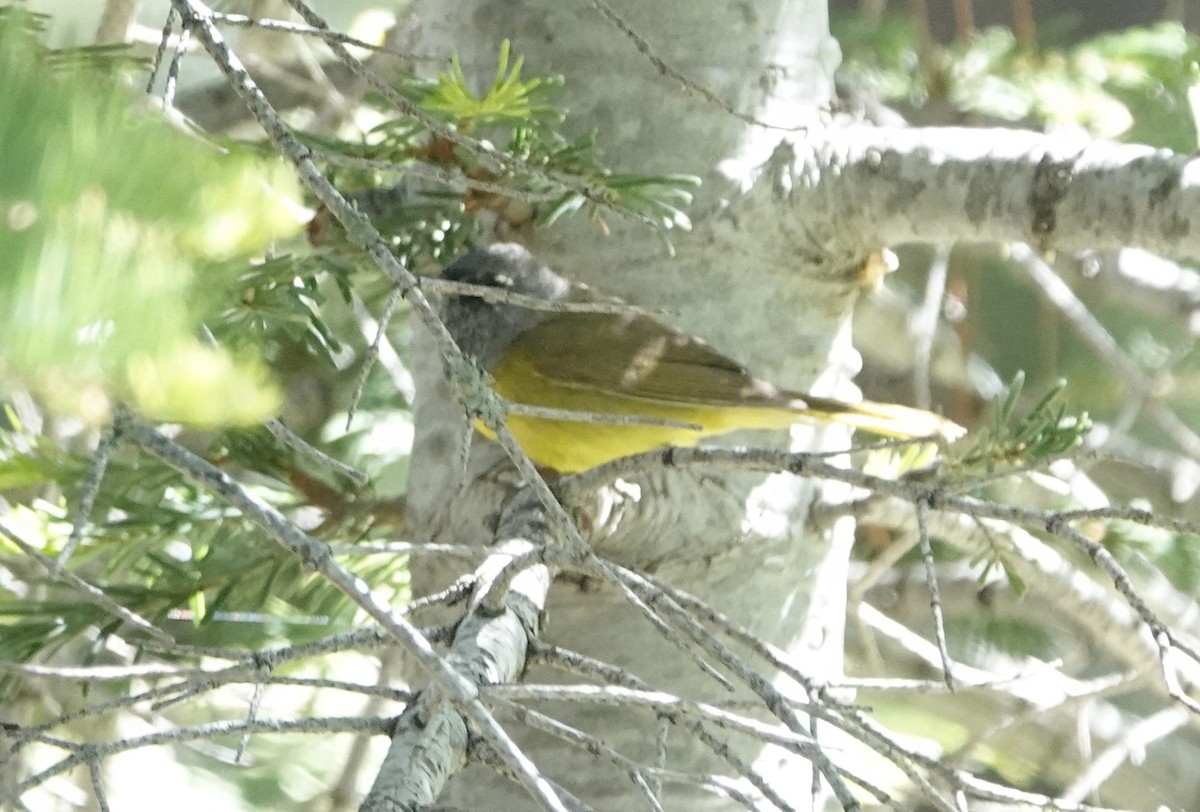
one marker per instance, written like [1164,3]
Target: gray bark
[766,289]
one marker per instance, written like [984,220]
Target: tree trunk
[762,276]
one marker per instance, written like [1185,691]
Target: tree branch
[895,185]
[430,741]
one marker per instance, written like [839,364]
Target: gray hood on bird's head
[483,329]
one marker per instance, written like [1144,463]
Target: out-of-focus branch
[116,21]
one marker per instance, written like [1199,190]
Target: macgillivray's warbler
[625,364]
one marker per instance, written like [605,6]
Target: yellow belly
[572,446]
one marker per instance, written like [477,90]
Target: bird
[659,385]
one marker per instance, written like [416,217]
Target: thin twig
[329,35]
[695,88]
[91,593]
[457,687]
[368,361]
[85,753]
[935,599]
[483,152]
[1090,329]
[87,495]
[160,52]
[293,440]
[924,325]
[181,46]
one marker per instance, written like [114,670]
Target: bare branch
[944,184]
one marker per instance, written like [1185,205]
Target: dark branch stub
[1050,182]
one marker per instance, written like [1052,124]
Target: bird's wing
[639,357]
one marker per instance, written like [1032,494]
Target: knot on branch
[1050,182]
[265,661]
[315,556]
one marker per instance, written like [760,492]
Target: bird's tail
[884,419]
